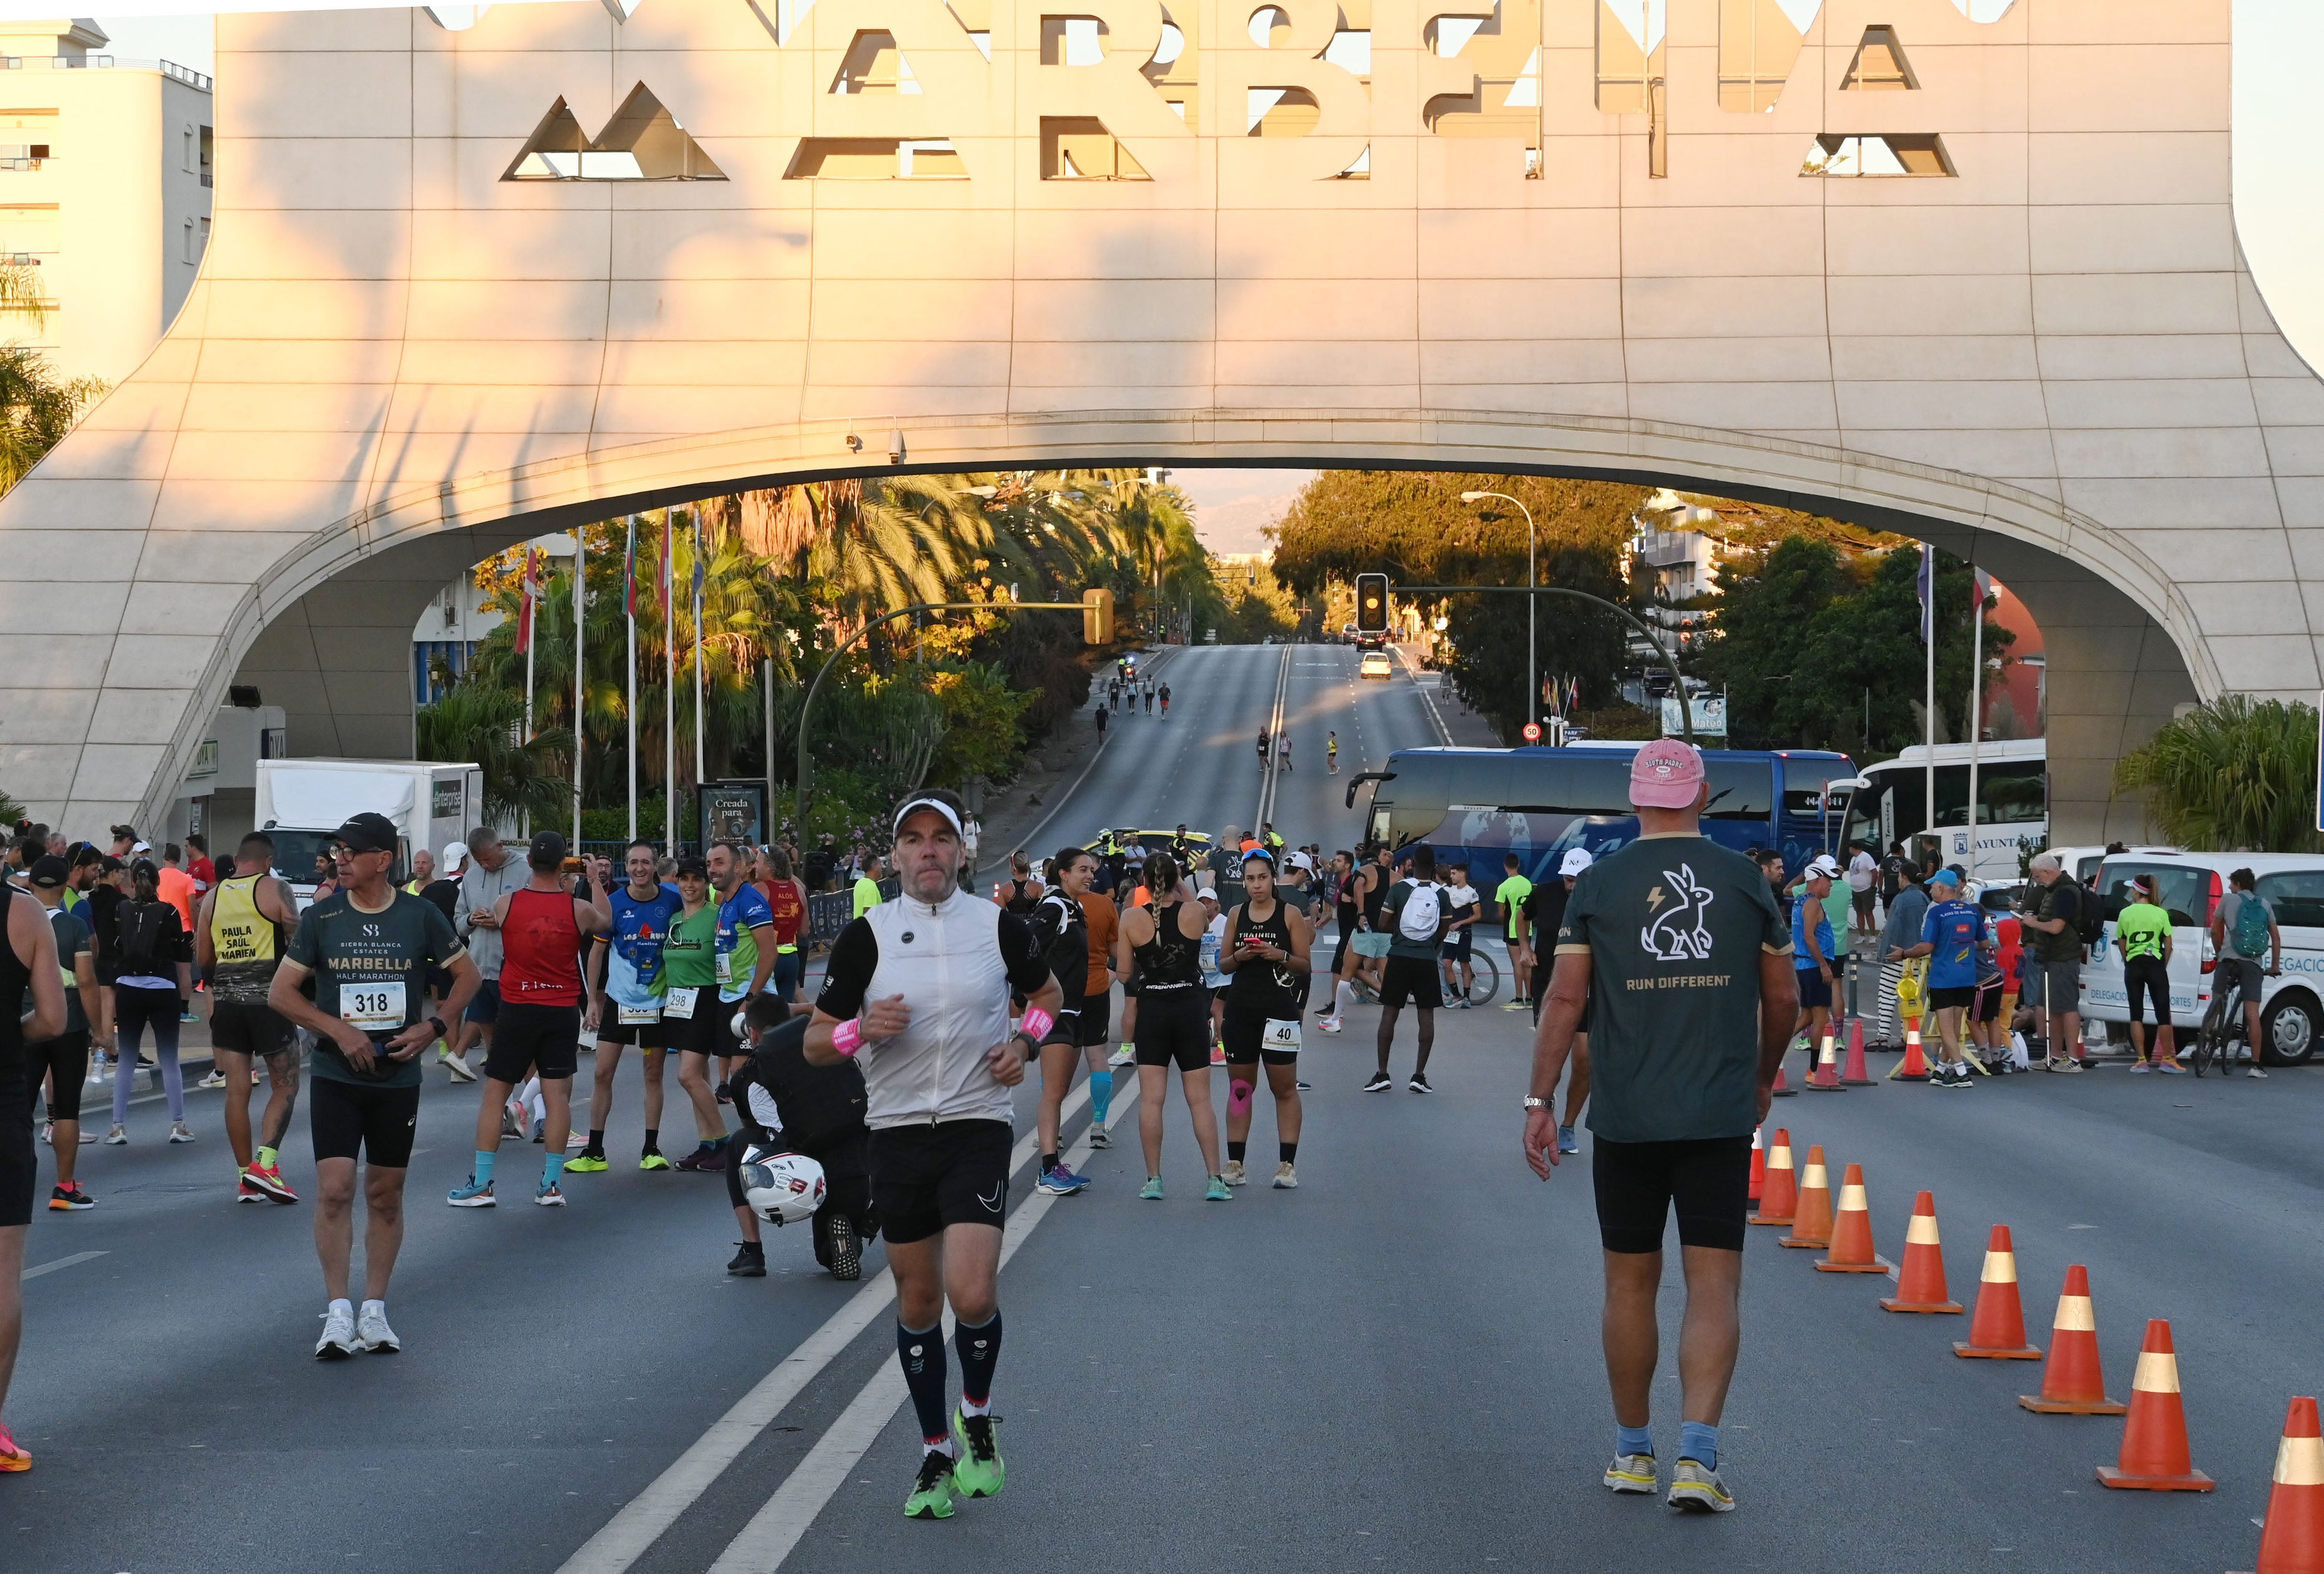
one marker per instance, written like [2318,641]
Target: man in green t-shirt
[1511,898]
[867,888]
[368,947]
[2141,933]
[1676,947]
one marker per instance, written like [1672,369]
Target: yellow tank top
[246,941]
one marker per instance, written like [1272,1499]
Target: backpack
[2089,923]
[1420,918]
[2251,926]
[138,938]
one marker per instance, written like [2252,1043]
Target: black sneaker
[1380,1083]
[846,1250]
[749,1260]
[1419,1084]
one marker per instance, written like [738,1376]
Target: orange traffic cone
[1921,1282]
[1812,1218]
[1758,1165]
[2073,1382]
[1855,1074]
[2293,1539]
[1825,1075]
[2154,1439]
[1914,1066]
[1852,1234]
[1782,1090]
[1780,1197]
[1997,1331]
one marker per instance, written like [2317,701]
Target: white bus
[2013,805]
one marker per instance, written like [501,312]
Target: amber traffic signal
[1371,604]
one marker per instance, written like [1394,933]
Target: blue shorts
[486,1008]
[1815,990]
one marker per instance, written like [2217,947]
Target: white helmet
[781,1188]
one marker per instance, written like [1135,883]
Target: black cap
[367,833]
[547,850]
[694,867]
[49,871]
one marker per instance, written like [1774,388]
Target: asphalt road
[1395,1366]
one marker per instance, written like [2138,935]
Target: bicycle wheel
[1484,976]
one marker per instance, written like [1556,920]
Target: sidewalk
[1469,729]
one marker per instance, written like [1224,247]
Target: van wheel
[2289,1029]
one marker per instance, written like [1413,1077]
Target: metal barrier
[828,912]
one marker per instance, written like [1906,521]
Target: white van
[2190,886]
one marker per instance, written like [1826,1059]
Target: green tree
[476,724]
[36,407]
[2236,775]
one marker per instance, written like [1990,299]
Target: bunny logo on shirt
[1677,928]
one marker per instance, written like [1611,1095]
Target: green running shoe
[1152,1190]
[978,1471]
[1696,1488]
[931,1496]
[585,1164]
[1218,1191]
[654,1161]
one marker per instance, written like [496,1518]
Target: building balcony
[170,69]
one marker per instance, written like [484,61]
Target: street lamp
[1533,681]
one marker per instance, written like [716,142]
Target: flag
[1984,588]
[697,577]
[1928,588]
[532,594]
[662,586]
[630,571]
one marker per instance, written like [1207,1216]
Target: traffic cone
[1758,1165]
[1780,1197]
[1855,1074]
[2073,1382]
[1921,1282]
[1997,1331]
[2154,1439]
[2293,1539]
[1825,1077]
[1812,1218]
[1851,1235]
[1914,1066]
[1782,1090]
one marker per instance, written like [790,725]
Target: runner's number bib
[372,1007]
[636,1016]
[726,967]
[679,1004]
[1281,1037]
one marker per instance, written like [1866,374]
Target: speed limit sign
[1532,732]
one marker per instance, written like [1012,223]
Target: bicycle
[1484,978]
[2223,1029]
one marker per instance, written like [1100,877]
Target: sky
[2279,179]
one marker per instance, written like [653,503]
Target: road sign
[1532,732]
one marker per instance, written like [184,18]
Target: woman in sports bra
[787,900]
[1265,953]
[1163,940]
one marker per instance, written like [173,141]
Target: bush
[2236,775]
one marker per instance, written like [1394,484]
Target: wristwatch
[1032,1044]
[1533,1103]
[437,1023]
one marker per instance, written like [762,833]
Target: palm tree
[36,409]
[477,724]
[2237,774]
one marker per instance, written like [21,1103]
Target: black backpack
[140,937]
[2089,923]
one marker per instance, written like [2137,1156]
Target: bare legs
[1154,1091]
[1709,1336]
[335,1200]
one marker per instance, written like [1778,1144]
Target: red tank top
[540,951]
[790,912]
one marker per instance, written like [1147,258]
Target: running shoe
[1330,1025]
[2065,1065]
[248,1190]
[475,1194]
[846,1250]
[269,1182]
[2171,1068]
[2141,1067]
[339,1341]
[13,1456]
[2255,1072]
[513,1120]
[180,1132]
[1304,1085]
[1287,1178]
[118,1137]
[1059,1180]
[1152,1190]
[550,1195]
[1567,1141]
[1950,1077]
[709,1158]
[1099,1137]
[1122,1056]
[1631,1473]
[1218,1055]
[585,1163]
[1218,1191]
[1380,1083]
[48,1129]
[215,1079]
[749,1262]
[460,1068]
[1463,1003]
[650,1159]
[1518,1006]
[1130,1048]
[1696,1488]
[541,1129]
[1419,1084]
[69,1198]
[1232,1175]
[931,1496]
[977,1470]
[372,1333]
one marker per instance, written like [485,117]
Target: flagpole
[580,608]
[531,639]
[669,687]
[630,614]
[698,768]
[1928,706]
[1975,700]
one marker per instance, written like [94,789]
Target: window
[1879,65]
[202,155]
[189,165]
[1896,154]
[1080,148]
[642,141]
[2185,892]
[2298,898]
[190,255]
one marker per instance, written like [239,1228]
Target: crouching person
[814,1111]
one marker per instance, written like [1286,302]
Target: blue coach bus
[1478,805]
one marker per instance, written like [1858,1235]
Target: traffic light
[1371,604]
[1097,617]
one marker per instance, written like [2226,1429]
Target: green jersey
[1512,897]
[371,970]
[1675,927]
[689,950]
[2142,928]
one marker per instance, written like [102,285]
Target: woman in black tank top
[1164,938]
[1266,953]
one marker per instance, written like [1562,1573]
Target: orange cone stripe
[2300,1462]
[2158,1372]
[2074,1316]
[1922,1231]
[1817,1180]
[1852,1200]
[2000,1268]
[1779,1158]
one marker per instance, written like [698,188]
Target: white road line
[774,1531]
[1267,770]
[1425,698]
[626,1537]
[62,1262]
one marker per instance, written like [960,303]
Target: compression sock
[267,1158]
[653,1140]
[980,1353]
[1048,1163]
[1101,1086]
[1238,1094]
[1235,1150]
[1343,996]
[596,1148]
[552,1169]
[1633,1440]
[922,1353]
[485,1167]
[1699,1442]
[1288,1152]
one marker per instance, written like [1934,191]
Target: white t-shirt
[1860,870]
[1463,900]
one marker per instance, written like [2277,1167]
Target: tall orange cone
[1914,1066]
[1780,1197]
[1852,1234]
[2293,1539]
[1812,1218]
[1758,1165]
[2154,1455]
[1855,1074]
[2073,1382]
[1997,1331]
[1921,1282]
[1784,1090]
[1825,1075]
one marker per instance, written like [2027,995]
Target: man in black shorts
[916,992]
[368,948]
[1679,944]
[63,1060]
[1413,917]
[28,968]
[240,936]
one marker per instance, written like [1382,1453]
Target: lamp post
[1533,679]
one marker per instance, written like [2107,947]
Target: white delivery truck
[300,803]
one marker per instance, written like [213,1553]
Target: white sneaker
[118,1137]
[1330,1025]
[179,1134]
[372,1330]
[461,1070]
[1697,1489]
[1285,1177]
[1232,1172]
[339,1341]
[1121,1056]
[215,1079]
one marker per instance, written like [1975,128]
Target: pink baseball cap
[1666,774]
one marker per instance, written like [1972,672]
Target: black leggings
[2148,977]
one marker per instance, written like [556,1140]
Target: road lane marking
[62,1262]
[1268,766]
[629,1533]
[1425,698]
